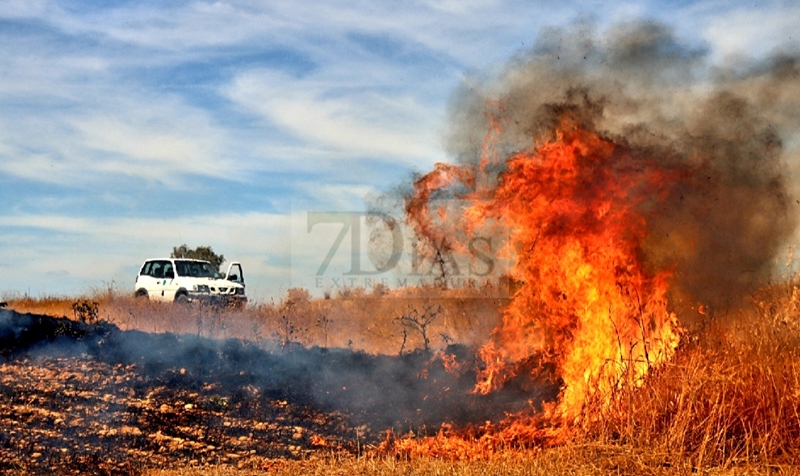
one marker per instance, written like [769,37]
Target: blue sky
[130,127]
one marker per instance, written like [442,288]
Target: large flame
[574,209]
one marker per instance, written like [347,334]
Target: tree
[201,252]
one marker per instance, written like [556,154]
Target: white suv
[188,280]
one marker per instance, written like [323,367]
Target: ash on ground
[78,398]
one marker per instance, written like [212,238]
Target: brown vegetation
[358,319]
[730,395]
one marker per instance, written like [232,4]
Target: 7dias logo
[339,251]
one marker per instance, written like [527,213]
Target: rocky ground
[92,399]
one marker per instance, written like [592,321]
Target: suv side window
[146,269]
[156,270]
[160,268]
[182,268]
[167,268]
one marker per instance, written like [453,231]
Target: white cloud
[345,197]
[238,229]
[156,143]
[161,139]
[36,167]
[752,31]
[461,6]
[469,32]
[358,124]
[171,27]
[23,8]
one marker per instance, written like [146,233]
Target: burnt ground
[93,399]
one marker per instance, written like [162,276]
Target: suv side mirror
[233,277]
[170,274]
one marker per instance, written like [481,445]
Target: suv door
[158,282]
[235,274]
[170,283]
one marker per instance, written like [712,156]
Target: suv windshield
[196,269]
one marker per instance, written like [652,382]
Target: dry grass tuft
[730,396]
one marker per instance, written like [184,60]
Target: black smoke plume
[732,129]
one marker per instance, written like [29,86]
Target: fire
[574,209]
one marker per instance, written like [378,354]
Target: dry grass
[49,305]
[360,320]
[730,396]
[728,403]
[588,460]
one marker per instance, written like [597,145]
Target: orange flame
[574,209]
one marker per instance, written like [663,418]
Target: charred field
[82,397]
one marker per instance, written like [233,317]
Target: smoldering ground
[79,397]
[729,129]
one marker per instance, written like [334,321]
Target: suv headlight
[200,288]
